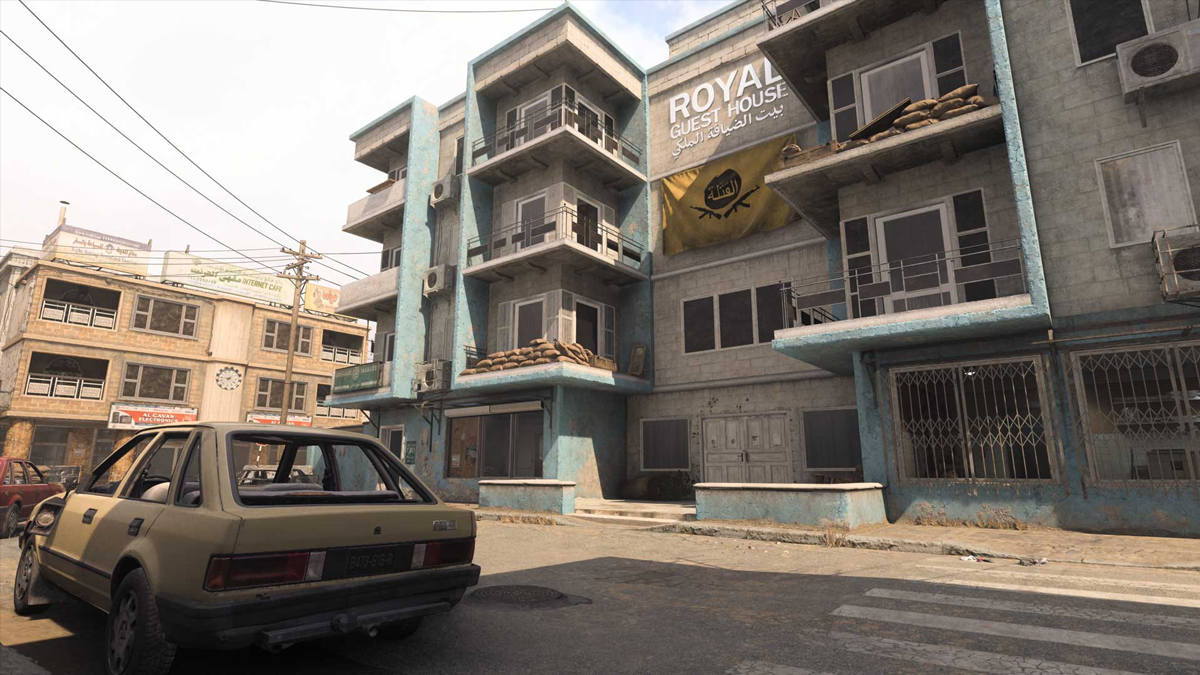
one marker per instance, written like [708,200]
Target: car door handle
[135,526]
[88,515]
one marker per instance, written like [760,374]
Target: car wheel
[136,642]
[23,583]
[9,526]
[399,629]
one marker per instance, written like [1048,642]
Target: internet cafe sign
[726,105]
[97,249]
[261,285]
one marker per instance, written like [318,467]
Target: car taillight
[229,572]
[436,553]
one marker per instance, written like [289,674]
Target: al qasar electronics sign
[726,105]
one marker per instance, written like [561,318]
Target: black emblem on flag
[720,192]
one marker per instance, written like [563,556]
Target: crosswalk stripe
[1073,592]
[950,657]
[1045,610]
[1174,650]
[992,571]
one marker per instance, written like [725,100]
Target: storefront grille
[979,422]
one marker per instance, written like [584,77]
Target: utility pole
[303,257]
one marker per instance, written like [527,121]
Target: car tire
[9,525]
[136,644]
[400,629]
[23,583]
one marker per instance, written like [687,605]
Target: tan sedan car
[164,538]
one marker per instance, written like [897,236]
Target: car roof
[227,427]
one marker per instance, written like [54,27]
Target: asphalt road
[664,603]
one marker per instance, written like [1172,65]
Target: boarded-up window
[1099,31]
[698,330]
[665,445]
[1144,191]
[831,439]
[737,319]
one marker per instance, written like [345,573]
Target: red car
[22,486]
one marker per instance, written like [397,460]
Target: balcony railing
[78,315]
[564,223]
[339,413]
[63,386]
[474,355]
[341,354]
[539,123]
[780,12]
[976,272]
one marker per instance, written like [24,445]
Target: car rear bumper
[276,618]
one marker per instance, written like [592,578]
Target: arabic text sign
[209,275]
[96,248]
[125,416]
[273,418]
[725,105]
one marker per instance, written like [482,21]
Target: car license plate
[374,560]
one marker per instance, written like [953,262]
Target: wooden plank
[881,123]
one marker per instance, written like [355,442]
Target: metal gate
[982,421]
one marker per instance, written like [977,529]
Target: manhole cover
[526,597]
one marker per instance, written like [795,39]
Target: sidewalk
[1054,545]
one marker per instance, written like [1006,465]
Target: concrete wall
[586,443]
[849,505]
[382,130]
[713,26]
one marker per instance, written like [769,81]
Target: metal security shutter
[504,327]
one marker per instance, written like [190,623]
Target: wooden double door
[752,448]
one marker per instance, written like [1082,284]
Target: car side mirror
[70,484]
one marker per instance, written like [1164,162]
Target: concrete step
[627,521]
[675,515]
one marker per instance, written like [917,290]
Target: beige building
[91,356]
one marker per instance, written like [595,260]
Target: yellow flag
[723,200]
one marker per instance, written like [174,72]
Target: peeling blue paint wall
[586,441]
[847,508]
[475,220]
[550,498]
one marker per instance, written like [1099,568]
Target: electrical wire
[204,250]
[181,152]
[408,11]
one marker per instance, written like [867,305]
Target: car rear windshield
[275,469]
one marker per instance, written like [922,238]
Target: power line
[118,177]
[206,250]
[408,11]
[176,147]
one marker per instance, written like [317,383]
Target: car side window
[18,473]
[8,473]
[152,482]
[106,477]
[190,492]
[33,475]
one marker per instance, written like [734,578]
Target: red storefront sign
[124,416]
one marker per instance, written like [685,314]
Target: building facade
[89,356]
[982,299]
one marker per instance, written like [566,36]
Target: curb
[524,517]
[813,538]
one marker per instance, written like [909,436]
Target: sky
[262,95]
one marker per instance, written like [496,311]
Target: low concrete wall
[849,505]
[554,496]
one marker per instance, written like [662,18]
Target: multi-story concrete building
[90,355]
[980,300]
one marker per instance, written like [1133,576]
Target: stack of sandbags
[928,112]
[537,352]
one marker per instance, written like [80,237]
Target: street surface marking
[1173,650]
[951,657]
[1073,592]
[767,668]
[1002,571]
[1047,610]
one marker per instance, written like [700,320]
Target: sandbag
[960,111]
[964,92]
[852,145]
[884,134]
[485,363]
[509,366]
[543,360]
[911,118]
[944,107]
[920,125]
[923,104]
[468,371]
[495,355]
[495,369]
[977,100]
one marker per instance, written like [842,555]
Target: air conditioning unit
[1159,62]
[439,279]
[445,191]
[1178,255]
[433,376]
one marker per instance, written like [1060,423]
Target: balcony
[796,42]
[336,413]
[558,238]
[961,294]
[78,315]
[812,187]
[548,375]
[366,298]
[65,386]
[385,139]
[341,354]
[557,132]
[373,216]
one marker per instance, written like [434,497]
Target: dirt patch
[987,517]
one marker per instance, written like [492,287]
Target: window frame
[1079,62]
[117,455]
[716,298]
[922,54]
[459,152]
[1104,202]
[187,386]
[66,444]
[183,321]
[804,440]
[297,385]
[139,463]
[539,300]
[301,331]
[642,443]
[195,449]
[481,433]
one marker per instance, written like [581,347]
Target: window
[105,478]
[49,446]
[156,315]
[699,334]
[155,383]
[887,85]
[529,322]
[270,394]
[152,482]
[768,305]
[831,440]
[458,156]
[34,475]
[399,174]
[105,442]
[389,346]
[1144,191]
[665,445]
[17,471]
[275,337]
[495,446]
[742,318]
[736,319]
[389,258]
[1097,33]
[190,492]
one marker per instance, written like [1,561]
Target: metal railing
[78,315]
[538,123]
[564,223]
[952,277]
[340,413]
[475,355]
[63,386]
[341,354]
[782,12]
